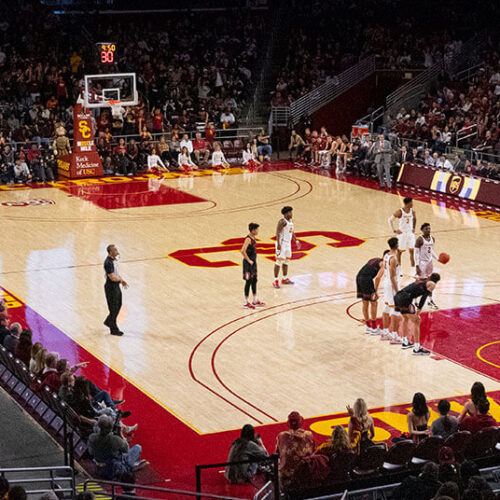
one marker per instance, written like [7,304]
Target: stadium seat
[458,442]
[227,145]
[341,465]
[482,443]
[370,461]
[399,455]
[238,144]
[427,450]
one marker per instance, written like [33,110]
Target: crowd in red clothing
[458,109]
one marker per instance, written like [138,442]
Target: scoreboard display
[106,52]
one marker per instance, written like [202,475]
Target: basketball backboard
[99,90]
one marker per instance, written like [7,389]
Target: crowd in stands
[463,113]
[329,37]
[358,156]
[98,415]
[190,69]
[304,463]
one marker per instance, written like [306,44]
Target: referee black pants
[114,300]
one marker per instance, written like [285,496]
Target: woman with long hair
[23,348]
[445,425]
[361,427]
[248,446]
[185,162]
[35,350]
[418,418]
[477,394]
[39,361]
[338,443]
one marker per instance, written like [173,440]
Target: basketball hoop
[117,109]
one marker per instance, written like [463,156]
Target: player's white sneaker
[376,331]
[386,336]
[421,352]
[433,305]
[395,340]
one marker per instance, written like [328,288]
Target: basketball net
[117,109]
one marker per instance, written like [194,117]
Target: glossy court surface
[193,365]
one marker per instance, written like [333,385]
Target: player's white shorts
[389,299]
[406,241]
[284,254]
[426,268]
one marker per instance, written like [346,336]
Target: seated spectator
[481,420]
[448,490]
[184,161]
[23,348]
[421,487]
[11,340]
[4,488]
[218,159]
[113,451]
[4,329]
[22,173]
[201,149]
[418,418]
[361,426]
[296,145]
[247,447]
[227,119]
[37,364]
[477,394]
[445,425]
[155,164]
[263,146]
[50,377]
[338,443]
[480,484]
[292,446]
[248,158]
[65,392]
[187,143]
[17,493]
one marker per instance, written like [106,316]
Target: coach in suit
[382,152]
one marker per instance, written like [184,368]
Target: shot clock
[106,52]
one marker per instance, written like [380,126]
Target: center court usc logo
[455,183]
[196,257]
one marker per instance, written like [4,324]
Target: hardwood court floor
[188,341]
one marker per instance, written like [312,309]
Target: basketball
[444,258]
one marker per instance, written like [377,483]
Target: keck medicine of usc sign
[84,161]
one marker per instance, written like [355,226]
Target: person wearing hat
[292,446]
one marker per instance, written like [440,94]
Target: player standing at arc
[424,254]
[406,231]
[249,252]
[284,236]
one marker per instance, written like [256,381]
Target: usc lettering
[84,129]
[196,257]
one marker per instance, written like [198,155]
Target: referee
[112,289]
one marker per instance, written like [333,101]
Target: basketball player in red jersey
[406,231]
[424,253]
[284,237]
[367,281]
[249,252]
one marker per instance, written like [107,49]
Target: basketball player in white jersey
[424,253]
[406,231]
[390,318]
[284,237]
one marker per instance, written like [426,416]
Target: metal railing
[53,477]
[371,118]
[465,133]
[271,460]
[319,97]
[410,94]
[129,490]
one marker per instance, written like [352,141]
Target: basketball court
[191,354]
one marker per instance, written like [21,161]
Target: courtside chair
[399,456]
[427,451]
[483,443]
[370,461]
[458,442]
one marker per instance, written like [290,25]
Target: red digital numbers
[107,56]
